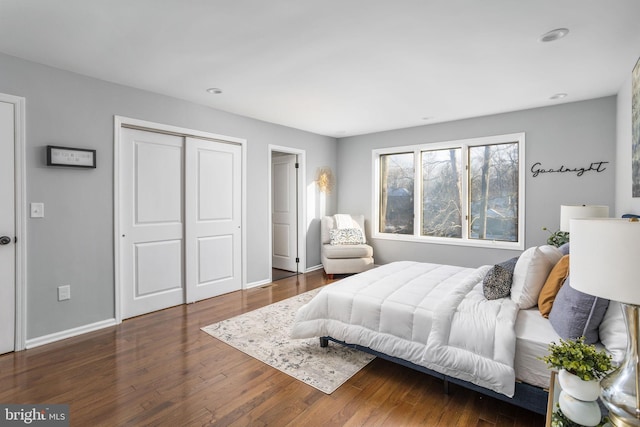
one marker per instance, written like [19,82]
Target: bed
[437,319]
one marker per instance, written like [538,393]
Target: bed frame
[526,395]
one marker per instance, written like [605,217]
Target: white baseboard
[257,284]
[267,281]
[47,339]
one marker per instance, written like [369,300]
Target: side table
[554,395]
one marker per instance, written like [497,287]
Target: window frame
[464,144]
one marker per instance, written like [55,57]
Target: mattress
[533,335]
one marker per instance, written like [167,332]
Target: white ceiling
[337,67]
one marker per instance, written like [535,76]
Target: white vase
[586,391]
[578,411]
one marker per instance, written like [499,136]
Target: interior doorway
[12,224]
[7,228]
[286,212]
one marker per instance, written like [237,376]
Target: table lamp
[604,262]
[569,212]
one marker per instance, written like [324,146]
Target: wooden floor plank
[160,369]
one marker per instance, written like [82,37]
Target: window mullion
[417,193]
[465,191]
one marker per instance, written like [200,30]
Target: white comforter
[432,315]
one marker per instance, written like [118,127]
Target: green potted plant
[558,238]
[581,367]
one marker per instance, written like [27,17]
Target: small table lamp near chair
[605,262]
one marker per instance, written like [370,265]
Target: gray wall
[572,134]
[73,244]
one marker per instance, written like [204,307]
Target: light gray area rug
[264,334]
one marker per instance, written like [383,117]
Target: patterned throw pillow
[497,281]
[346,236]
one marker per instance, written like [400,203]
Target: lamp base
[620,422]
[621,388]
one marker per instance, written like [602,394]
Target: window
[468,192]
[441,193]
[493,192]
[396,187]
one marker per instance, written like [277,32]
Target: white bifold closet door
[180,220]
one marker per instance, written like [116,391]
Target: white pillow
[613,332]
[532,269]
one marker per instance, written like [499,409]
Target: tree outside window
[494,192]
[441,193]
[396,193]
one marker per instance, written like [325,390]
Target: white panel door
[283,212]
[213,218]
[7,228]
[152,245]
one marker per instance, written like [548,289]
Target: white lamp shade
[604,258]
[569,212]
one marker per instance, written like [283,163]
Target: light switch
[37,210]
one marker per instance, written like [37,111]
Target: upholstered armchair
[345,253]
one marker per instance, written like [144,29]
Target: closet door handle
[5,240]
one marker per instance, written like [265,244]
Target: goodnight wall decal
[597,167]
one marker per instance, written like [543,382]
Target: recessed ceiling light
[554,35]
[558,96]
[214,90]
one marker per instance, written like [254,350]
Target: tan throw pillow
[554,282]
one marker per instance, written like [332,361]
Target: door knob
[5,240]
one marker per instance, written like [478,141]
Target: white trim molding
[69,333]
[258,284]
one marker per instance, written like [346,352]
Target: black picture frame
[71,157]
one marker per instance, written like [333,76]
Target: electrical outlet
[64,292]
[37,210]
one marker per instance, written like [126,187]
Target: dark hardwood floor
[160,369]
